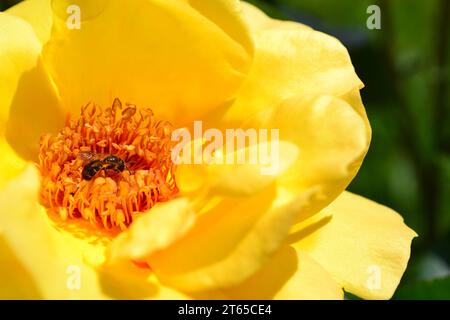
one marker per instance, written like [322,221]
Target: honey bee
[94,163]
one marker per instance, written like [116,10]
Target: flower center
[109,166]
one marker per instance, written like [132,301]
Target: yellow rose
[198,230]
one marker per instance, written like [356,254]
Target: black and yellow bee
[94,163]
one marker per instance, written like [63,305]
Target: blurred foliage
[437,289]
[405,67]
[5,4]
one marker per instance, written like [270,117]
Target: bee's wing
[87,156]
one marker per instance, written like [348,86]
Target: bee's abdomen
[91,169]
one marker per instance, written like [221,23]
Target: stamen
[113,198]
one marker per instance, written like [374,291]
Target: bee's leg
[129,171]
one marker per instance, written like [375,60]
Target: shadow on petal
[266,283]
[35,110]
[308,229]
[125,281]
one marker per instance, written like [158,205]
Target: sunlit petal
[364,245]
[182,59]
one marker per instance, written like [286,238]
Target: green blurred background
[405,67]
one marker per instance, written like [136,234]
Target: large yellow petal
[232,239]
[41,257]
[38,14]
[240,222]
[290,60]
[241,172]
[19,50]
[218,255]
[332,138]
[29,105]
[181,58]
[155,230]
[364,245]
[35,110]
[32,250]
[312,98]
[84,245]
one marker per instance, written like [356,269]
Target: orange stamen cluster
[113,199]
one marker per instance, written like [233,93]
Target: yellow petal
[257,166]
[30,243]
[364,245]
[353,98]
[241,220]
[331,137]
[19,49]
[307,62]
[82,244]
[29,105]
[247,178]
[231,240]
[38,14]
[313,99]
[10,163]
[228,15]
[333,140]
[128,281]
[167,233]
[46,258]
[155,230]
[180,58]
[22,230]
[290,275]
[35,110]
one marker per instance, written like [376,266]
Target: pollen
[111,198]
